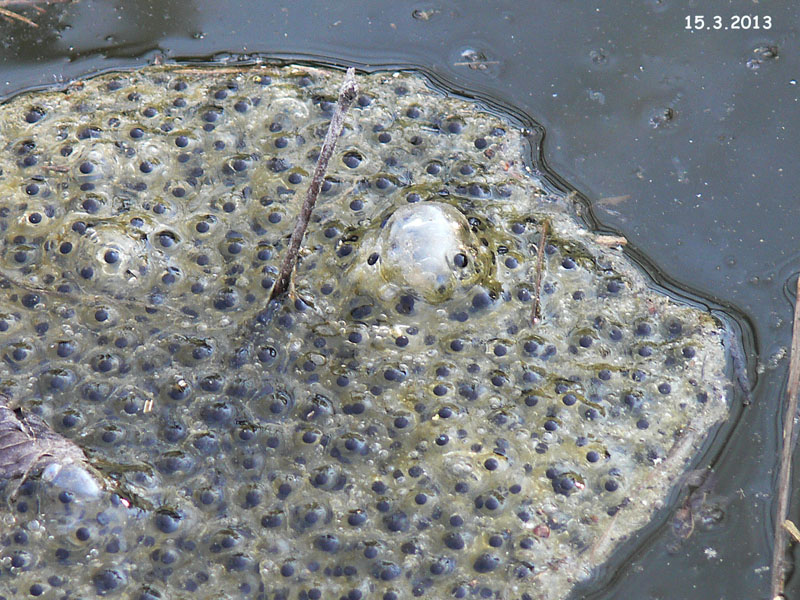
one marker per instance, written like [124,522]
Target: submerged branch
[10,14]
[779,548]
[34,4]
[347,95]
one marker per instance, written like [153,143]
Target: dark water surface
[683,142]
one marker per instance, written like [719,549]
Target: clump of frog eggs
[397,428]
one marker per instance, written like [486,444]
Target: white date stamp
[731,23]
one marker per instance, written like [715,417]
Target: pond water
[684,142]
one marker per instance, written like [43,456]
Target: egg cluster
[398,427]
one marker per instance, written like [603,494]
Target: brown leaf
[27,443]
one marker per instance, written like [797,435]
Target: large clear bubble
[430,248]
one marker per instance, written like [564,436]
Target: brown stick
[536,310]
[347,94]
[792,386]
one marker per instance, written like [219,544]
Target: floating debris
[396,428]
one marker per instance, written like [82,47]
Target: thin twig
[347,93]
[474,64]
[677,453]
[792,386]
[536,310]
[12,15]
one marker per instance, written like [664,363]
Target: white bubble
[428,247]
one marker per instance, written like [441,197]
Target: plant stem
[347,94]
[779,549]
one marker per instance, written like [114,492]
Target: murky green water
[706,195]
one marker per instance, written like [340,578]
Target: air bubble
[421,246]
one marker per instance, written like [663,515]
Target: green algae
[398,426]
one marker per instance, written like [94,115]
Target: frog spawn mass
[397,427]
